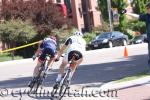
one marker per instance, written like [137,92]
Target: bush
[89,37]
[16,31]
[136,25]
[8,56]
[44,15]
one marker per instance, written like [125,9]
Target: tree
[139,6]
[44,15]
[119,4]
[103,8]
[14,32]
[122,19]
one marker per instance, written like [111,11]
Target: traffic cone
[125,52]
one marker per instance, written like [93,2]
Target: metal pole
[109,12]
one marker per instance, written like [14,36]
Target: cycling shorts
[46,51]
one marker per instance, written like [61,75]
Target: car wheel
[142,42]
[110,45]
[124,42]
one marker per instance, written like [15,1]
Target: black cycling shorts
[77,55]
[47,51]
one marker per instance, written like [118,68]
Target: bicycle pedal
[68,87]
[30,84]
[56,86]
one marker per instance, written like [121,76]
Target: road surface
[99,67]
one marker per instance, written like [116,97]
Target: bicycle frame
[64,85]
[41,75]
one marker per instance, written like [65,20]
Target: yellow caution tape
[20,47]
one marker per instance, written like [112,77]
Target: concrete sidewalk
[126,84]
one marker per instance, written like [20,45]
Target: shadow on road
[94,73]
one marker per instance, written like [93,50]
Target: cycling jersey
[49,43]
[48,46]
[76,43]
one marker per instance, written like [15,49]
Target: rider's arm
[39,49]
[133,15]
[64,46]
[141,17]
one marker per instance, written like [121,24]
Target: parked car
[139,39]
[109,39]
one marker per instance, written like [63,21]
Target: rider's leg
[74,65]
[36,69]
[40,60]
[51,62]
[61,70]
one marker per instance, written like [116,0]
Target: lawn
[140,75]
[8,57]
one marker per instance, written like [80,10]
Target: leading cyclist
[76,45]
[45,47]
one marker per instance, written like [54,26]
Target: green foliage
[103,8]
[44,15]
[89,36]
[139,6]
[121,4]
[7,57]
[16,31]
[103,28]
[136,26]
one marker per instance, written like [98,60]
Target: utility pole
[110,15]
[86,15]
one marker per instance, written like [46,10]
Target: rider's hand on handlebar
[34,57]
[123,11]
[57,59]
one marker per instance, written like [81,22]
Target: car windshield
[138,37]
[103,35]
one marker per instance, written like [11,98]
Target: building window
[58,1]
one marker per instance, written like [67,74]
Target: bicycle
[64,84]
[36,82]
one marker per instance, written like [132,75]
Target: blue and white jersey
[49,43]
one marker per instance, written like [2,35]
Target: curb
[123,85]
[16,61]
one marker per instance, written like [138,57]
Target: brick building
[84,13]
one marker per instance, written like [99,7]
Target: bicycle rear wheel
[55,89]
[62,91]
[65,85]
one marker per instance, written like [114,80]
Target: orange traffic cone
[125,52]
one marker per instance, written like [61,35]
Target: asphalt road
[99,67]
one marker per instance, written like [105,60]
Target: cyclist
[45,47]
[75,44]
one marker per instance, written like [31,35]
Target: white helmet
[78,33]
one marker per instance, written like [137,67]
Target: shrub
[16,31]
[136,25]
[44,15]
[89,37]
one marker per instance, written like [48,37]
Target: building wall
[77,17]
[95,13]
[77,14]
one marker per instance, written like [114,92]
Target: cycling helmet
[78,33]
[53,37]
